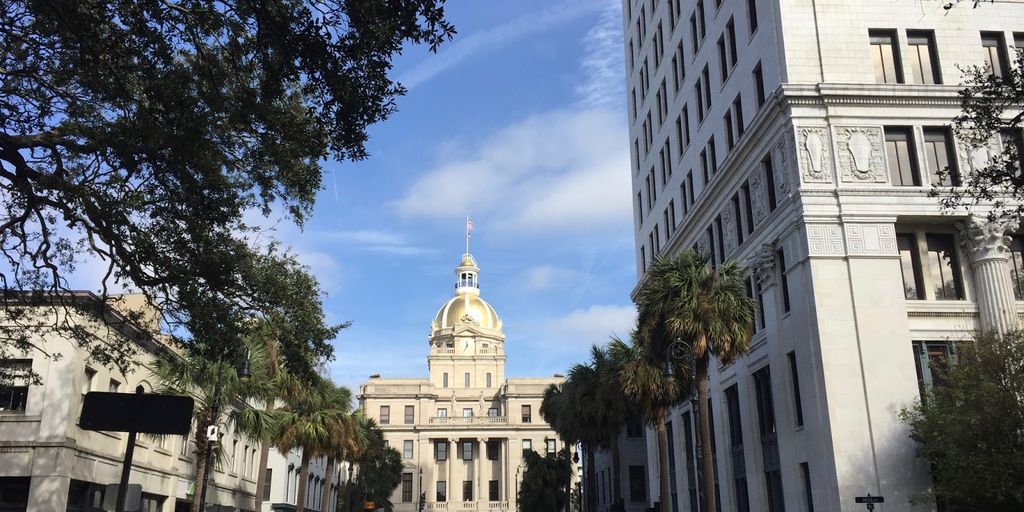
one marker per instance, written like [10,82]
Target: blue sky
[520,121]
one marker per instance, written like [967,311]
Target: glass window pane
[943,268]
[908,259]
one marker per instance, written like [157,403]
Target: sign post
[869,500]
[135,413]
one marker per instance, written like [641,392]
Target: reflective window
[994,53]
[924,63]
[943,267]
[899,149]
[939,156]
[885,57]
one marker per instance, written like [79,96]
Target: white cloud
[604,62]
[556,171]
[384,242]
[467,46]
[594,324]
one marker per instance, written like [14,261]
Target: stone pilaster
[452,453]
[987,244]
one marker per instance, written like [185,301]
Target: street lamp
[244,372]
[677,350]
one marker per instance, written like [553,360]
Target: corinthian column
[987,245]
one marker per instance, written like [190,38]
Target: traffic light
[423,501]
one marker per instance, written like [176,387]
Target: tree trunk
[617,474]
[704,428]
[325,499]
[300,495]
[591,481]
[202,452]
[264,457]
[666,490]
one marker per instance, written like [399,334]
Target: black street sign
[869,499]
[130,412]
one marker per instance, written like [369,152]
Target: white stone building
[281,487]
[48,463]
[463,429]
[803,137]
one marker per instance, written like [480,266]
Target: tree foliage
[545,481]
[971,428]
[141,133]
[989,124]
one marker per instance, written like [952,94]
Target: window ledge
[19,417]
[941,308]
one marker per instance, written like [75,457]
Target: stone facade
[861,276]
[463,429]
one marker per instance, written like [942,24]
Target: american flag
[469,226]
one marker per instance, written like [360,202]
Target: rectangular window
[686,129]
[723,59]
[267,479]
[910,265]
[492,490]
[1013,150]
[527,416]
[748,208]
[739,469]
[637,484]
[885,56]
[699,96]
[994,47]
[488,379]
[492,412]
[406,487]
[549,446]
[899,148]
[769,182]
[410,414]
[939,155]
[14,392]
[689,191]
[441,494]
[694,39]
[467,490]
[737,112]
[639,211]
[1017,267]
[709,237]
[794,374]
[932,360]
[445,379]
[440,450]
[784,279]
[706,77]
[730,34]
[688,454]
[114,386]
[713,155]
[407,449]
[720,239]
[385,415]
[90,376]
[493,448]
[730,138]
[467,412]
[759,85]
[527,445]
[924,61]
[737,216]
[765,404]
[442,412]
[700,19]
[944,267]
[467,450]
[752,15]
[754,292]
[465,379]
[769,439]
[805,472]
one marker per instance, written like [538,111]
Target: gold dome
[466,309]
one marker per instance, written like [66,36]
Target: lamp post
[244,374]
[676,350]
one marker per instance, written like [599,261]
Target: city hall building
[802,138]
[463,429]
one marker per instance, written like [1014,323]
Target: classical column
[479,467]
[987,245]
[451,469]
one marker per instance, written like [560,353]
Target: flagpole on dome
[469,231]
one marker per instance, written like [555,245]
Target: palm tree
[311,419]
[614,410]
[220,397]
[568,408]
[683,298]
[545,481]
[641,373]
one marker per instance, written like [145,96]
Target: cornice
[870,95]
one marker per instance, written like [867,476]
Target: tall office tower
[802,138]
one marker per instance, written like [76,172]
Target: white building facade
[802,137]
[462,430]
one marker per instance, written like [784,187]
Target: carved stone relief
[871,240]
[758,197]
[987,238]
[762,265]
[781,166]
[973,158]
[815,155]
[861,154]
[825,240]
[729,226]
